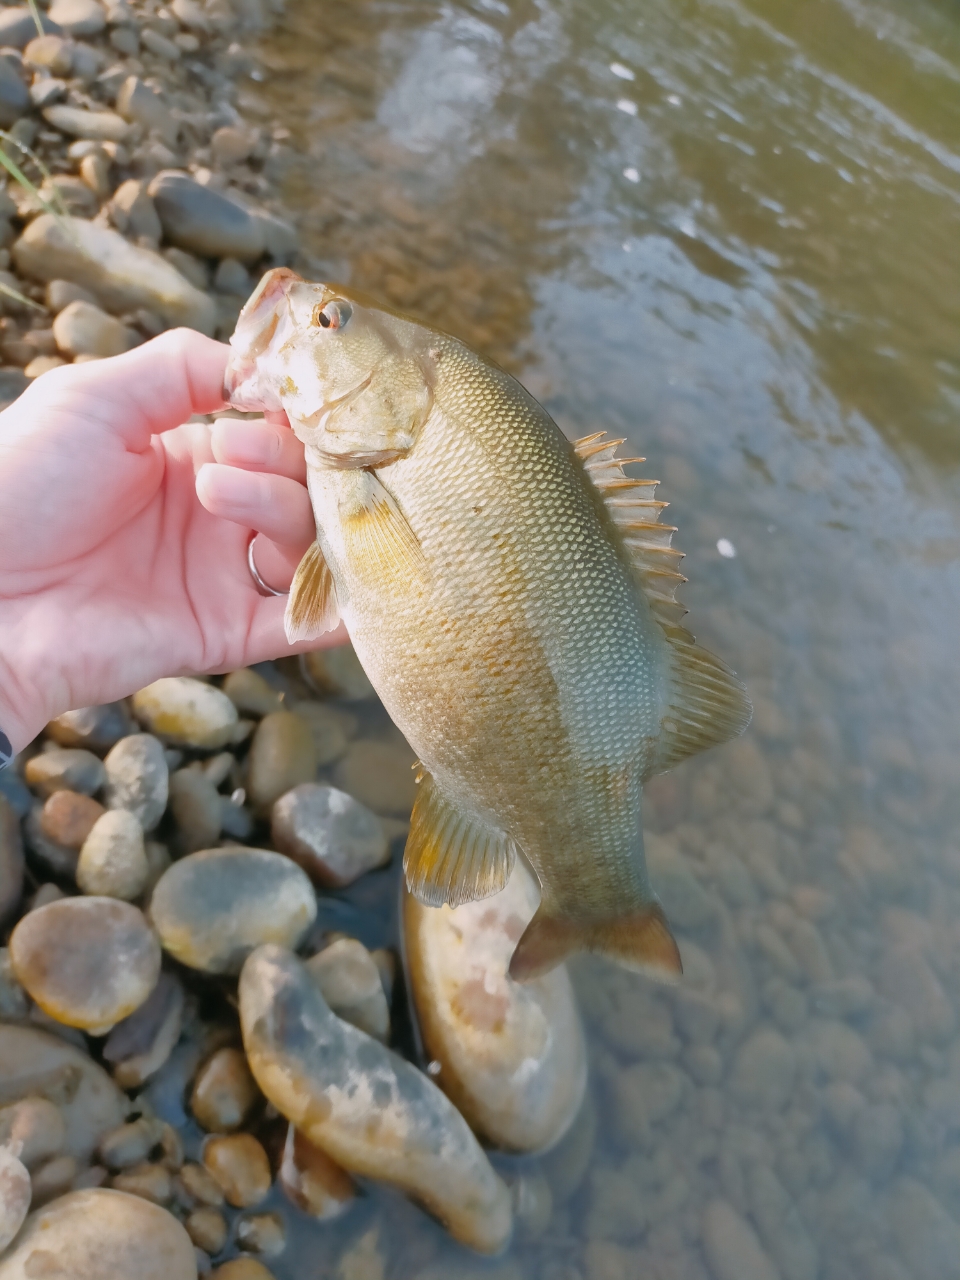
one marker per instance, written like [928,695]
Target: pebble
[121,275]
[327,724]
[184,712]
[133,212]
[78,122]
[203,221]
[101,1235]
[281,757]
[840,1053]
[231,277]
[512,1055]
[366,1107]
[251,694]
[262,1233]
[113,860]
[18,28]
[34,1063]
[196,807]
[82,329]
[312,1181]
[379,775]
[906,979]
[53,52]
[14,95]
[53,1179]
[224,1092]
[65,769]
[11,858]
[336,673]
[926,1235]
[42,364]
[332,836]
[240,1269]
[35,1126]
[141,1043]
[15,1193]
[348,979]
[731,1245]
[646,1094]
[686,902]
[129,1144]
[151,1181]
[230,145]
[207,1228]
[137,778]
[67,818]
[212,908]
[78,17]
[87,962]
[14,1004]
[764,1071]
[239,1165]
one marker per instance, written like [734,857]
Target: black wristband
[6,751]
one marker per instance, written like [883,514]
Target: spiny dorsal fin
[707,704]
[312,603]
[452,856]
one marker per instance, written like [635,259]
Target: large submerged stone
[333,837]
[512,1055]
[373,1113]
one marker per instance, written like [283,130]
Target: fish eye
[332,315]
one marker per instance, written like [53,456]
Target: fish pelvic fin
[639,940]
[451,856]
[312,603]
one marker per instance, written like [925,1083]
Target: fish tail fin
[639,940]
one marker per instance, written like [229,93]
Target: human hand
[123,535]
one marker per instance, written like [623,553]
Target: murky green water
[742,254]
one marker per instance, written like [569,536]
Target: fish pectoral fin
[452,856]
[377,532]
[312,604]
[639,940]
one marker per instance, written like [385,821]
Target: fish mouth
[243,388]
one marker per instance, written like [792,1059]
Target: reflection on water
[741,253]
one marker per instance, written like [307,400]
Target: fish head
[354,378]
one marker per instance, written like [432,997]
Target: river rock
[65,769]
[906,979]
[122,276]
[731,1245]
[348,979]
[14,95]
[230,145]
[926,1235]
[129,1144]
[241,1269]
[84,330]
[196,807]
[212,908]
[18,28]
[203,221]
[87,962]
[251,694]
[379,775]
[331,835]
[312,1181]
[132,212]
[138,103]
[113,860]
[78,17]
[14,1003]
[140,1044]
[327,724]
[239,1165]
[224,1092]
[78,122]
[36,1127]
[35,1063]
[67,818]
[207,1228]
[336,673]
[281,756]
[137,778]
[96,728]
[512,1055]
[187,713]
[101,1235]
[764,1071]
[15,1193]
[366,1107]
[11,858]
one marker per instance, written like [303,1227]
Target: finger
[274,505]
[264,637]
[276,563]
[258,446]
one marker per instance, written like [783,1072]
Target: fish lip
[261,314]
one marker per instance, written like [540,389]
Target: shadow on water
[741,253]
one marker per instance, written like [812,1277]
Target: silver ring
[261,585]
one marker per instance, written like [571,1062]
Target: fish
[511,596]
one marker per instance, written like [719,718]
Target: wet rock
[262,1233]
[336,673]
[140,1044]
[137,778]
[333,837]
[239,1164]
[646,1093]
[11,858]
[203,221]
[84,330]
[35,1127]
[367,1108]
[101,1235]
[35,1063]
[241,1269]
[53,1179]
[183,712]
[281,757]
[926,1236]
[731,1246]
[65,769]
[18,28]
[250,693]
[113,860]
[230,145]
[78,17]
[151,1181]
[196,808]
[122,276]
[15,1193]
[840,1053]
[907,980]
[67,818]
[686,902]
[207,1228]
[87,962]
[312,1181]
[327,726]
[224,1092]
[212,908]
[379,775]
[14,1004]
[782,1230]
[14,96]
[138,103]
[348,979]
[129,1144]
[512,1055]
[764,1071]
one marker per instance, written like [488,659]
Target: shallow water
[741,253]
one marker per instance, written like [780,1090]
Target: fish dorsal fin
[453,856]
[312,603]
[707,704]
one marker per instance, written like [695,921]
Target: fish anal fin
[379,532]
[707,704]
[312,603]
[639,940]
[453,856]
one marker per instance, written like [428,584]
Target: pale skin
[123,534]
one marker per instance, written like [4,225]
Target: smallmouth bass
[511,597]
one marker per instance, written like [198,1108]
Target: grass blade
[35,10]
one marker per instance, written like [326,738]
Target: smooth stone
[14,1002]
[379,775]
[78,17]
[15,1194]
[54,859]
[212,908]
[230,145]
[906,979]
[262,1233]
[129,1144]
[78,122]
[203,221]
[731,1246]
[348,979]
[35,1063]
[101,1234]
[65,769]
[196,809]
[137,778]
[53,1179]
[512,1055]
[18,27]
[224,1092]
[199,1186]
[336,673]
[371,1111]
[332,836]
[14,95]
[764,1071]
[43,364]
[231,277]
[36,1127]
[646,1093]
[251,694]
[132,212]
[312,1181]
[11,858]
[87,962]
[207,1228]
[141,1043]
[184,712]
[685,901]
[281,757]
[327,726]
[239,1165]
[151,1181]
[140,104]
[241,1269]
[96,728]
[159,45]
[67,818]
[840,1053]
[122,276]
[84,330]
[113,860]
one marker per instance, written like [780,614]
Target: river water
[727,230]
